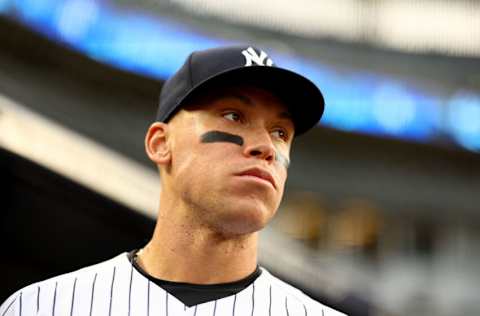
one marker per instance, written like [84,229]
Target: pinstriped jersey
[115,287]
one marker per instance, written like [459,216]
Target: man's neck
[181,251]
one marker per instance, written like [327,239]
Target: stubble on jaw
[226,219]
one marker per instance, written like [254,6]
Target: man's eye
[232,116]
[280,133]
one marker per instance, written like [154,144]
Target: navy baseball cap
[242,65]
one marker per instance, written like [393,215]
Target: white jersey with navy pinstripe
[115,287]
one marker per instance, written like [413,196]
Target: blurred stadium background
[382,209]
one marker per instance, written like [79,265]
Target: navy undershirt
[194,294]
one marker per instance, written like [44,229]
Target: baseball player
[221,141]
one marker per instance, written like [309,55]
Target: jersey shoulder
[299,296]
[30,297]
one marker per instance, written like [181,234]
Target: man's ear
[156,144]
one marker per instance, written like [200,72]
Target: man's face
[229,158]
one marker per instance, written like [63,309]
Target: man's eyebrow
[242,98]
[285,115]
[248,101]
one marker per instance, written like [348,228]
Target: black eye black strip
[282,159]
[217,136]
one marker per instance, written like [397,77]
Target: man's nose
[261,147]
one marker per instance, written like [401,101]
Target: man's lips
[259,173]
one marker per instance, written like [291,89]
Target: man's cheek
[282,159]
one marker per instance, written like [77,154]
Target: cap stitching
[190,70]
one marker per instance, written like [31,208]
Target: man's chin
[244,221]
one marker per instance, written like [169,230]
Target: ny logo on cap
[251,57]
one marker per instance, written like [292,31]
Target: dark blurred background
[381,214]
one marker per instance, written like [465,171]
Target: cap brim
[304,100]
